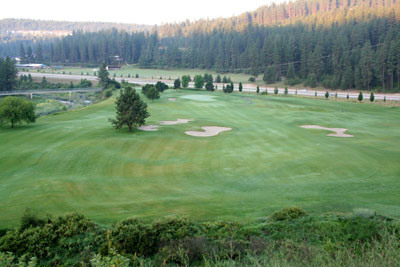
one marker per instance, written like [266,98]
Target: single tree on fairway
[348,97]
[360,96]
[276,91]
[103,75]
[152,93]
[177,84]
[326,95]
[16,109]
[258,89]
[240,87]
[286,91]
[131,110]
[198,81]
[372,97]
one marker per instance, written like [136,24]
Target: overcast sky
[127,11]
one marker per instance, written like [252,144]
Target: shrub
[365,213]
[288,214]
[132,236]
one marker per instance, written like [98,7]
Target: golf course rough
[77,162]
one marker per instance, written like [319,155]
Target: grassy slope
[77,162]
[154,73]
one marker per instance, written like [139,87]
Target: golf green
[76,162]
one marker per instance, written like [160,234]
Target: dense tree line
[310,12]
[362,52]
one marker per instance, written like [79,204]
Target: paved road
[246,87]
[50,91]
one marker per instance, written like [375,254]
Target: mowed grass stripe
[77,162]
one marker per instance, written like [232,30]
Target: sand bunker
[172,99]
[339,131]
[178,121]
[149,128]
[208,131]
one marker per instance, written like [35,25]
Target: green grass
[154,73]
[76,161]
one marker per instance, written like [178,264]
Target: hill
[76,161]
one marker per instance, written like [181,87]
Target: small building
[31,66]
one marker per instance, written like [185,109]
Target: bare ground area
[339,132]
[208,131]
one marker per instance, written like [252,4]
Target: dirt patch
[339,132]
[171,99]
[149,128]
[208,131]
[178,121]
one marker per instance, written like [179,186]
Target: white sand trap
[171,99]
[149,128]
[178,121]
[339,131]
[201,98]
[208,131]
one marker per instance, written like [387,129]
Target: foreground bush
[288,238]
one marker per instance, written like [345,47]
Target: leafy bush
[132,236]
[288,214]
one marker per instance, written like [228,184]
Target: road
[246,87]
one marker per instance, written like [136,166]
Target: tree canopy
[131,110]
[15,110]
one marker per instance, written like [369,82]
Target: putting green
[76,162]
[201,98]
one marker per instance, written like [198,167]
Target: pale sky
[125,11]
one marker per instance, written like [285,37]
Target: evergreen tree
[22,54]
[177,83]
[269,75]
[29,55]
[291,72]
[276,91]
[258,89]
[8,74]
[198,81]
[39,54]
[103,75]
[327,95]
[360,96]
[366,65]
[218,79]
[372,97]
[286,91]
[185,81]
[131,110]
[240,87]
[210,86]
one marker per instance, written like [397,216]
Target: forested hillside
[343,45]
